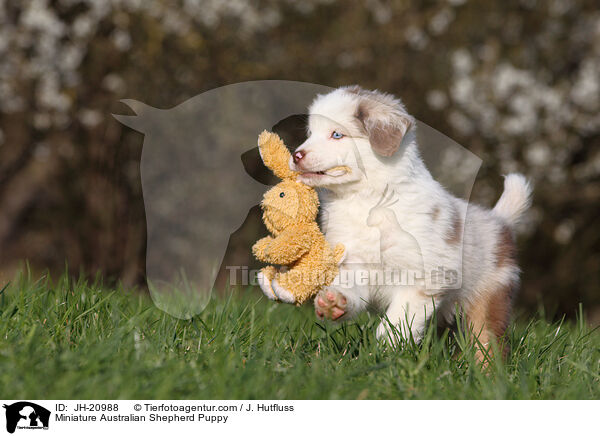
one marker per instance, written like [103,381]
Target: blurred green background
[515,82]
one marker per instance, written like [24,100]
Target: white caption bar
[22,417]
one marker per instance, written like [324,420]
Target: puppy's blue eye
[337,135]
[282,194]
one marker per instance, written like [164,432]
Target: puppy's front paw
[330,304]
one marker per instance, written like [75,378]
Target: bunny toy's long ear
[275,155]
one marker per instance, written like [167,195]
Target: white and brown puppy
[382,203]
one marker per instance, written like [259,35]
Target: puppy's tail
[515,199]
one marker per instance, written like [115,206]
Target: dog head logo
[26,415]
[196,189]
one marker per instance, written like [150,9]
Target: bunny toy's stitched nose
[298,156]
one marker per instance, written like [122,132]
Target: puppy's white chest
[346,223]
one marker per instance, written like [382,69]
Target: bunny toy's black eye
[282,194]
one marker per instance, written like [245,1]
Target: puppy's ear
[275,155]
[384,119]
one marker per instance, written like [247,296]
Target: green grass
[79,340]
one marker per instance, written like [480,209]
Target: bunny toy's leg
[279,285]
[296,285]
[264,278]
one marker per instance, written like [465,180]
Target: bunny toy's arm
[259,249]
[284,249]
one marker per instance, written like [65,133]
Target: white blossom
[437,99]
[441,20]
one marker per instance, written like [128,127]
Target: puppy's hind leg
[406,315]
[488,317]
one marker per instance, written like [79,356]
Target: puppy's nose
[299,155]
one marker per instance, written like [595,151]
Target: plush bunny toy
[289,213]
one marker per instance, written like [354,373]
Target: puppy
[382,203]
